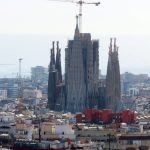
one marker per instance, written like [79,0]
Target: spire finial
[57,44]
[110,47]
[53,43]
[57,47]
[77,27]
[53,52]
[77,20]
[115,47]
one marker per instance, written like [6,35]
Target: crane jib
[80,2]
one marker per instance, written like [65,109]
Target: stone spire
[110,47]
[52,61]
[52,81]
[77,32]
[58,64]
[115,47]
[113,90]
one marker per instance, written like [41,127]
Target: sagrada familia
[82,88]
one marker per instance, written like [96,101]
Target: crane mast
[80,3]
[20,79]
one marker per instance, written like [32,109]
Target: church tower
[52,81]
[58,64]
[81,71]
[113,89]
[56,88]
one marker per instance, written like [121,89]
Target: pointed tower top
[53,45]
[58,49]
[77,27]
[57,44]
[58,64]
[53,50]
[110,47]
[77,20]
[52,60]
[115,47]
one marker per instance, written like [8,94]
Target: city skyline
[133,61]
[30,32]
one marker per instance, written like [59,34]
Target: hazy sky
[27,28]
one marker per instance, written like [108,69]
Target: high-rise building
[113,85]
[81,72]
[11,85]
[39,74]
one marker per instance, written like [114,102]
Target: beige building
[27,93]
[24,131]
[47,131]
[134,141]
[94,133]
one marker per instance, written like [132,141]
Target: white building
[7,117]
[64,130]
[3,94]
[133,92]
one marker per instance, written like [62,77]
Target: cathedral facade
[81,87]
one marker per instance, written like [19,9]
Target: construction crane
[80,3]
[20,59]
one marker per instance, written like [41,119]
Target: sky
[27,28]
